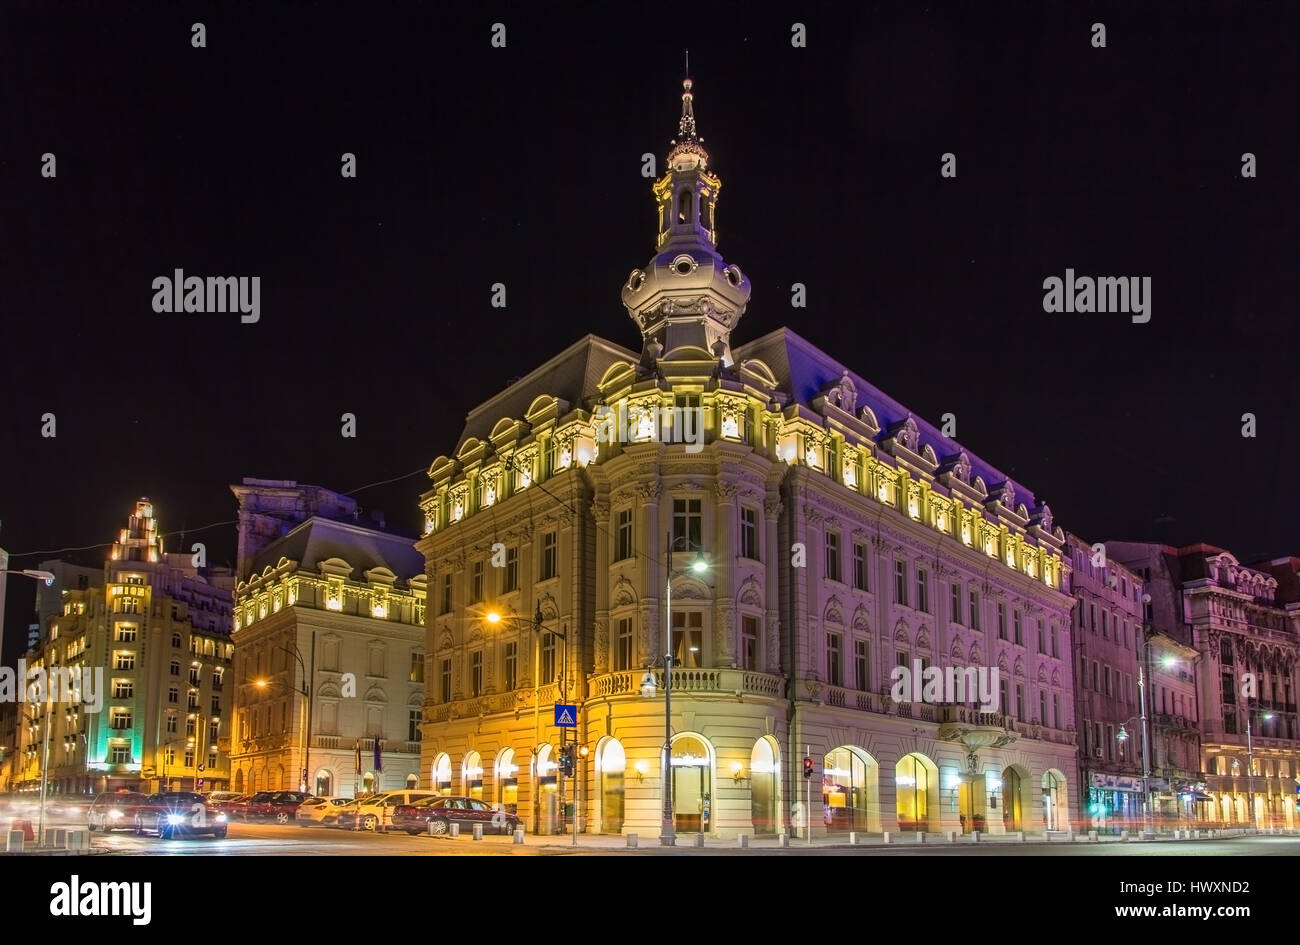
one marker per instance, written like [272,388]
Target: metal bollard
[976,836]
[453,830]
[631,841]
[699,840]
[783,840]
[478,831]
[519,836]
[853,838]
[952,836]
[743,841]
[920,837]
[15,842]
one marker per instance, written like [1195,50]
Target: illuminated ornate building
[1244,621]
[327,598]
[1107,639]
[159,629]
[839,536]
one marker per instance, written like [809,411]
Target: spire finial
[686,127]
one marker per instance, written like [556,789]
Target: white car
[374,812]
[315,810]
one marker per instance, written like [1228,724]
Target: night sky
[522,165]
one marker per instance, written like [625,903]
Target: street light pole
[1250,768]
[48,578]
[667,830]
[1148,831]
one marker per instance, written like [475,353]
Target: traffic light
[807,768]
[567,766]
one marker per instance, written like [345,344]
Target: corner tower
[687,295]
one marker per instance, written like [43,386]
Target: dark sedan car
[279,806]
[436,814]
[115,811]
[179,814]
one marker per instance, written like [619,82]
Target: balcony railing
[721,681]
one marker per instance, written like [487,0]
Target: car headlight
[175,819]
[115,815]
[221,818]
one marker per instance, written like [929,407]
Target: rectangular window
[476,673]
[900,659]
[123,689]
[412,726]
[417,667]
[1002,621]
[119,755]
[1004,693]
[550,556]
[860,665]
[688,525]
[1092,617]
[900,582]
[446,593]
[548,658]
[476,582]
[1056,711]
[974,609]
[834,659]
[194,700]
[1042,638]
[171,724]
[749,652]
[1110,743]
[444,673]
[189,757]
[194,675]
[1020,702]
[1055,651]
[688,633]
[1042,707]
[1105,677]
[922,590]
[510,579]
[623,544]
[749,533]
[623,646]
[512,666]
[860,566]
[1017,637]
[954,602]
[126,634]
[216,705]
[121,719]
[832,556]
[124,661]
[214,729]
[1095,678]
[191,726]
[1105,630]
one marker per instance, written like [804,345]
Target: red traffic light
[807,767]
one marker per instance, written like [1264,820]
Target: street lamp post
[305,692]
[48,578]
[1250,764]
[667,829]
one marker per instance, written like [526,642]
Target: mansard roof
[365,549]
[804,371]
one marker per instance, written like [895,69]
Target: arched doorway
[546,798]
[1013,799]
[507,782]
[280,778]
[412,782]
[442,774]
[239,781]
[764,781]
[851,790]
[611,762]
[1056,804]
[916,783]
[692,765]
[471,775]
[324,783]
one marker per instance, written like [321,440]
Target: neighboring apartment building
[1244,621]
[327,599]
[157,629]
[839,536]
[1107,638]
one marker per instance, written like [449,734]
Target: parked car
[315,810]
[115,811]
[229,803]
[279,806]
[369,813]
[436,814]
[179,814]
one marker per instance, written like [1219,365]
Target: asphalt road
[292,840]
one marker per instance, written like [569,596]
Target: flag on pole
[358,756]
[379,756]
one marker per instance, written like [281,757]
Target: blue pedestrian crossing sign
[566,716]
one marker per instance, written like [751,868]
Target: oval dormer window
[733,275]
[684,265]
[636,280]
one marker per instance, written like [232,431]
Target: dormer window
[684,201]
